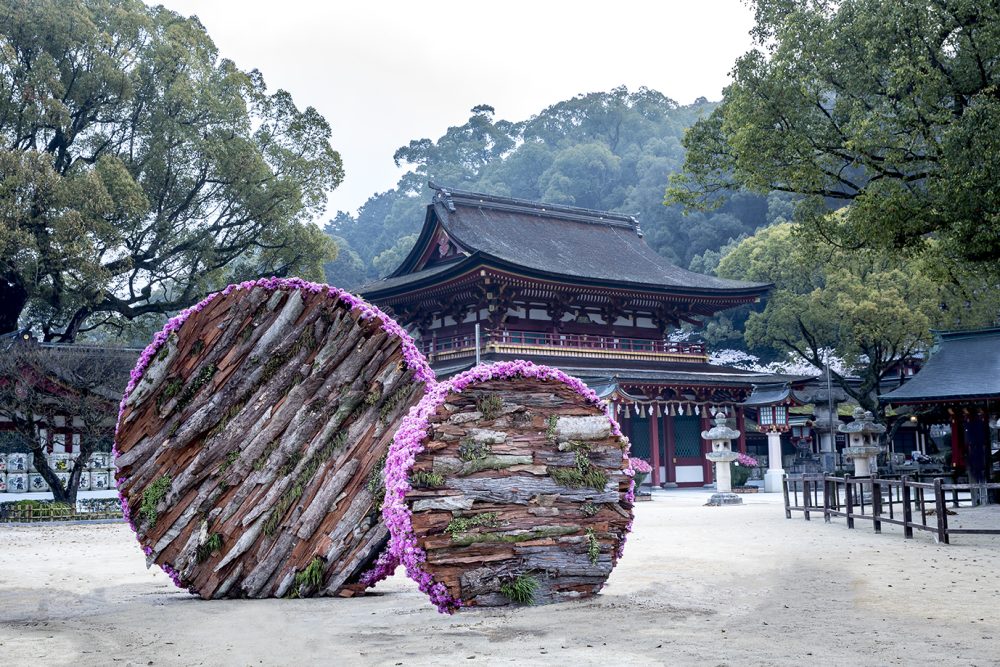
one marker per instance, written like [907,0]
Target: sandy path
[698,585]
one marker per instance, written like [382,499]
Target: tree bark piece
[250,443]
[517,493]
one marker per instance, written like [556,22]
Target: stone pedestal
[775,472]
[862,457]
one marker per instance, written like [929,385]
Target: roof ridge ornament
[443,195]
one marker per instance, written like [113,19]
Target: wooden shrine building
[959,385]
[579,290]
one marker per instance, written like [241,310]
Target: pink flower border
[409,442]
[414,359]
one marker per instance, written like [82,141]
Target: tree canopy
[138,169]
[890,106]
[868,308]
[609,151]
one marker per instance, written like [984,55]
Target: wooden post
[826,499]
[742,428]
[907,509]
[784,491]
[941,509]
[876,505]
[849,500]
[806,500]
[671,446]
[654,441]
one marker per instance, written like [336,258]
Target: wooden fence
[902,502]
[45,512]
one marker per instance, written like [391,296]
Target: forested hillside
[610,151]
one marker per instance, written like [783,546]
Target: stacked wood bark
[519,495]
[250,452]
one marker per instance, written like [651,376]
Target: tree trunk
[13,297]
[250,451]
[519,487]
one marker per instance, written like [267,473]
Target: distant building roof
[547,241]
[964,366]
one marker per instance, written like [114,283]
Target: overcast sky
[383,73]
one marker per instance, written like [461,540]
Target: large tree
[138,169]
[870,309]
[891,106]
[41,385]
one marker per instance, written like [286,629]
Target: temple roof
[547,241]
[965,365]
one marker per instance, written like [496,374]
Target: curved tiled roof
[965,366]
[553,241]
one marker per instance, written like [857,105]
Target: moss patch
[376,484]
[550,431]
[151,497]
[229,461]
[466,523]
[542,532]
[593,546]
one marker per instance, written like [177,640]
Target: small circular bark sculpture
[509,484]
[252,435]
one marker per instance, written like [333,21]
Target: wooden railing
[587,342]
[902,502]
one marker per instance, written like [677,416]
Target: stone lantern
[862,444]
[722,455]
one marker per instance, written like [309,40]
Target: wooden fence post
[876,504]
[806,500]
[941,510]
[784,490]
[907,509]
[849,500]
[826,499]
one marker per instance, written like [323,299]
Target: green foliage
[423,479]
[466,523]
[609,150]
[490,405]
[551,423]
[261,460]
[229,461]
[593,547]
[739,475]
[197,382]
[887,105]
[133,155]
[590,509]
[310,578]
[542,532]
[583,474]
[868,308]
[470,450]
[171,388]
[376,482]
[211,545]
[151,497]
[521,589]
[390,403]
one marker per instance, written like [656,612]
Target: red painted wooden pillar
[742,428]
[654,442]
[706,446]
[671,451]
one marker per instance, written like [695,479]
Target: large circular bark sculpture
[252,435]
[508,485]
